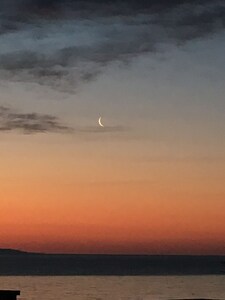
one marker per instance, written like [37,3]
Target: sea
[116,287]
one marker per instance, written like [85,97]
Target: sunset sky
[153,179]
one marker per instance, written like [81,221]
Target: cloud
[101,130]
[29,123]
[63,44]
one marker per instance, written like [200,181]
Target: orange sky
[67,201]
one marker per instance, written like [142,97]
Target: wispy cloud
[29,123]
[32,123]
[63,44]
[101,130]
[185,159]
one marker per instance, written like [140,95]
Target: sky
[151,181]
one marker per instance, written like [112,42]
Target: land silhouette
[16,262]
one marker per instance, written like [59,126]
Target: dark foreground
[20,263]
[9,294]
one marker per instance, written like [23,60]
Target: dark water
[115,287]
[51,265]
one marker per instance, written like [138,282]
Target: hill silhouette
[12,252]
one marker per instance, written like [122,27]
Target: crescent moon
[100,122]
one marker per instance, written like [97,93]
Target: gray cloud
[29,123]
[63,44]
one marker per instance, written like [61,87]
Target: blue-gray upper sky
[63,49]
[65,43]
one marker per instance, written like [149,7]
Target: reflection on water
[115,288]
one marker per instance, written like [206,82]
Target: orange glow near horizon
[54,212]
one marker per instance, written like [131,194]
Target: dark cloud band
[62,44]
[29,123]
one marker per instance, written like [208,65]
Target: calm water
[118,288]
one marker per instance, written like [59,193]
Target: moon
[100,122]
